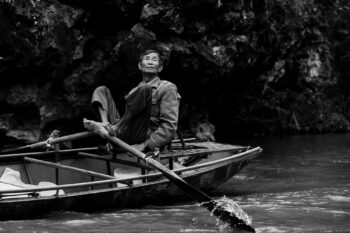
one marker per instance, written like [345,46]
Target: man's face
[150,63]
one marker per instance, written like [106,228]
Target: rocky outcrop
[252,67]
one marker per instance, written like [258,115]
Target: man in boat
[152,108]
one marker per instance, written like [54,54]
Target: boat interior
[92,168]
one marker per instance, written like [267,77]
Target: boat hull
[158,192]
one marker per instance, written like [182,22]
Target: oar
[213,206]
[52,141]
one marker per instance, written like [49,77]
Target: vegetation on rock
[247,66]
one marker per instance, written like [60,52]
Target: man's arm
[168,119]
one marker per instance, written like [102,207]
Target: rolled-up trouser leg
[134,125]
[103,96]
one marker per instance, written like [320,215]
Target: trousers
[134,126]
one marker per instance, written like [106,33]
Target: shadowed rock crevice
[246,67]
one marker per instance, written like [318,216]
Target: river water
[298,184]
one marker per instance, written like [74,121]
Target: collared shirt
[164,112]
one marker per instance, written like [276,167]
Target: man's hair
[148,51]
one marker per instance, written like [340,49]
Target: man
[152,108]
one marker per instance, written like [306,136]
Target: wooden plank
[43,153]
[121,161]
[57,160]
[30,181]
[199,152]
[66,167]
[79,185]
[186,140]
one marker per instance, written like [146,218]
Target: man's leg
[102,101]
[134,125]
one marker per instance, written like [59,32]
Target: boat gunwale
[248,154]
[87,149]
[204,152]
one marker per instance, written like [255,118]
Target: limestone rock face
[245,66]
[37,48]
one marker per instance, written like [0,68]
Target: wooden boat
[83,180]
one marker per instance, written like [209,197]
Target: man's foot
[97,127]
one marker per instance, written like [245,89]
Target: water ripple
[78,222]
[197,230]
[338,198]
[269,229]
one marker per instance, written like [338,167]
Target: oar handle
[52,141]
[71,137]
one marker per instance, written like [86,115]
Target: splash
[230,212]
[233,208]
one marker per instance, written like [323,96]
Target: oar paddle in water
[222,209]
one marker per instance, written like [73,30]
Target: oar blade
[230,212]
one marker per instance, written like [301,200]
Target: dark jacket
[164,113]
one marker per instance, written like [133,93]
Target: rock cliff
[248,67]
